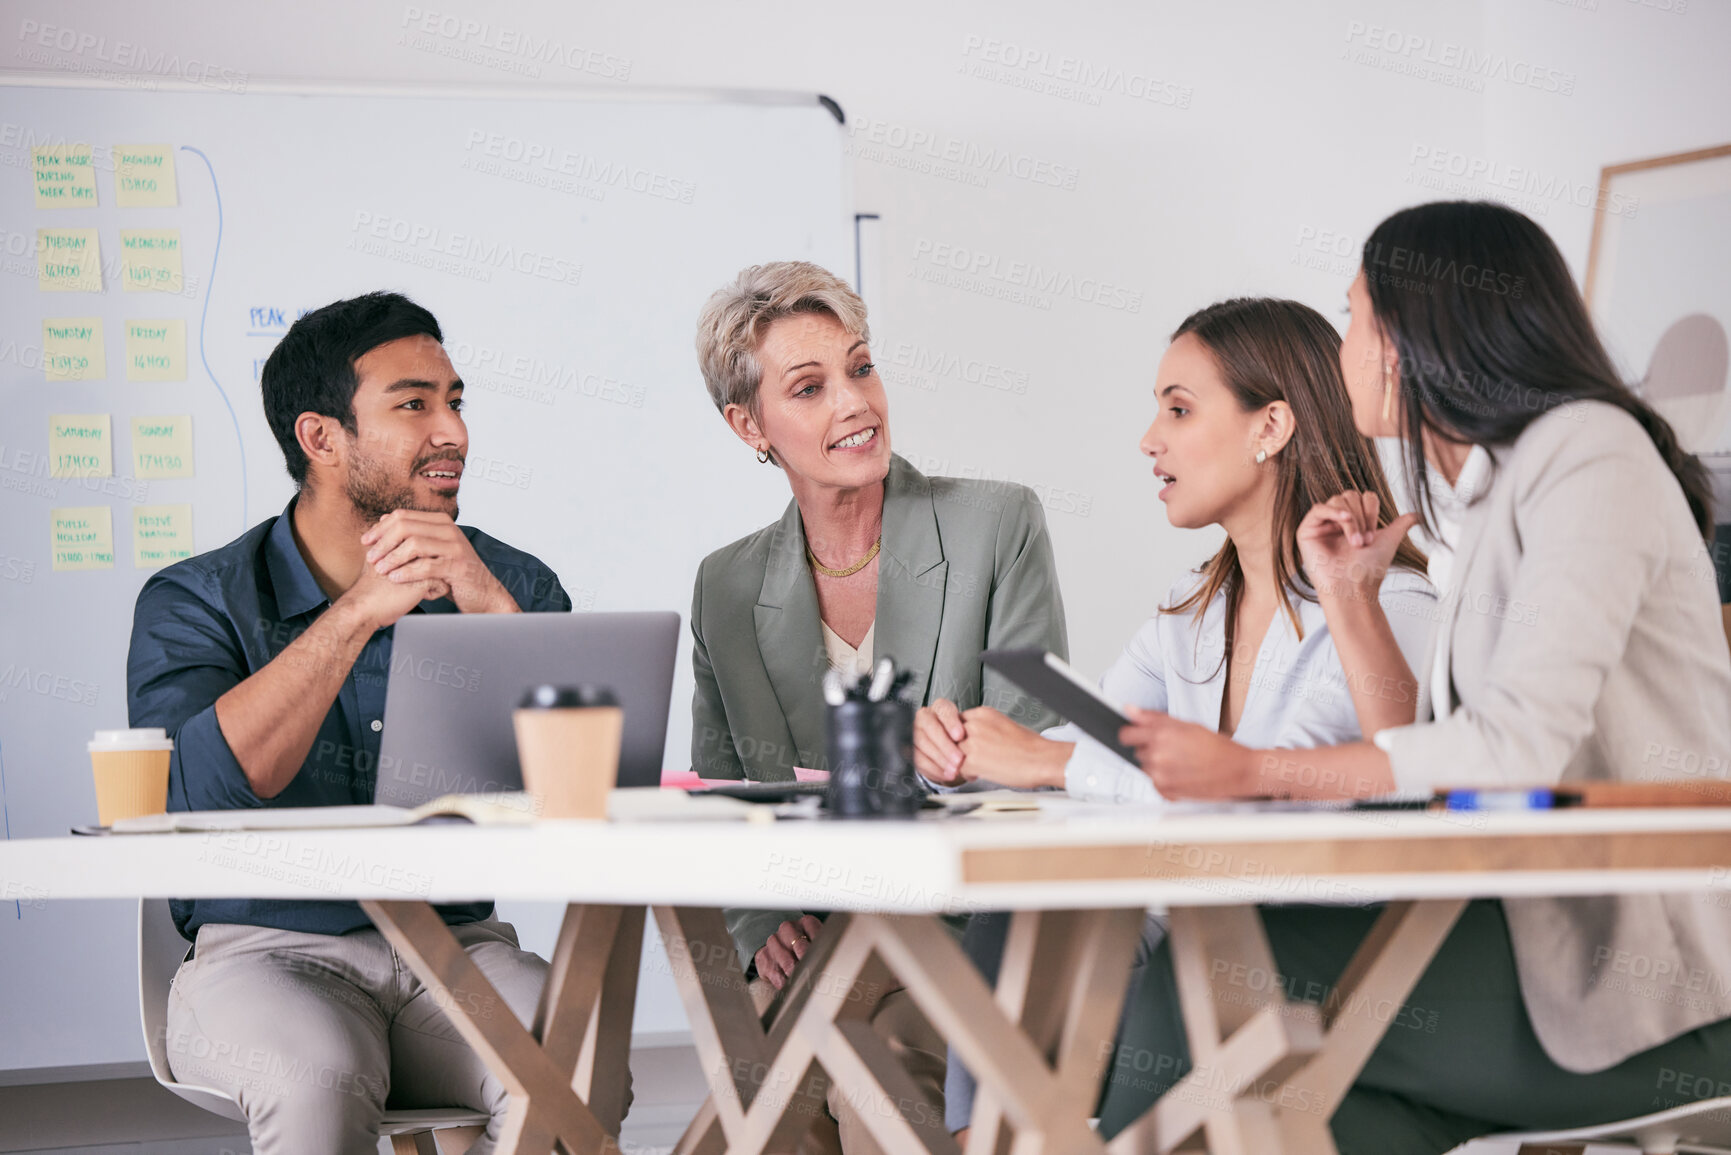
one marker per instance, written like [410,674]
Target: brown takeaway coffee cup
[131,768]
[568,747]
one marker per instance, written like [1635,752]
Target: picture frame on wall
[1658,286]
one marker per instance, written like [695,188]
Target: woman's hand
[938,734]
[1345,555]
[775,962]
[1190,761]
[1009,753]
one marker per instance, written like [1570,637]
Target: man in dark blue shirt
[266,661]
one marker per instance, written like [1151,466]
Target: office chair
[161,950]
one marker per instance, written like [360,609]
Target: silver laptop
[455,678]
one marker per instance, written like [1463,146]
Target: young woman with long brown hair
[1253,432]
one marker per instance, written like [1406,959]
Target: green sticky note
[150,260]
[161,535]
[68,261]
[72,349]
[156,350]
[162,447]
[144,176]
[83,537]
[65,178]
[79,445]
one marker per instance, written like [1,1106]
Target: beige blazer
[1583,642]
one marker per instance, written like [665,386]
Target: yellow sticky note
[161,535]
[68,261]
[162,447]
[156,350]
[72,349]
[83,537]
[79,445]
[65,178]
[144,176]
[150,260]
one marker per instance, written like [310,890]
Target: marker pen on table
[1540,799]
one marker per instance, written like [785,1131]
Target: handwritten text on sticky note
[162,447]
[65,176]
[72,349]
[79,445]
[68,261]
[83,537]
[150,260]
[161,535]
[156,350]
[144,176]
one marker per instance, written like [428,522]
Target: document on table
[631,804]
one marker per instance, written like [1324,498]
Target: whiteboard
[565,244]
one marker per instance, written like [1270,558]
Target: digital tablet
[1050,679]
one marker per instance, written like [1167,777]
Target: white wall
[1278,134]
[1268,124]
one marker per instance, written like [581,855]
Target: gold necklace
[850,570]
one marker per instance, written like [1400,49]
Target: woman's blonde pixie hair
[734,319]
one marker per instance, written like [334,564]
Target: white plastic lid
[150,738]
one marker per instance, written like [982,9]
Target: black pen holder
[871,759]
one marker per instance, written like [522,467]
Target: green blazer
[965,566]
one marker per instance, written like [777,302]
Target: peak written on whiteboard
[272,318]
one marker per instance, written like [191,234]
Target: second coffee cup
[568,747]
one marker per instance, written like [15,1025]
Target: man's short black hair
[312,369]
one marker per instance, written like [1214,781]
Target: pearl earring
[1261,456]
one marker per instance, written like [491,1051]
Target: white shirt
[851,662]
[1449,505]
[1297,697]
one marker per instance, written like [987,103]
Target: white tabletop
[1070,855]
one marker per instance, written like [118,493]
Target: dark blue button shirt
[204,625]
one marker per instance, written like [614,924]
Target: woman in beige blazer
[1579,639]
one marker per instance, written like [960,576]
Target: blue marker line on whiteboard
[203,316]
[1509,800]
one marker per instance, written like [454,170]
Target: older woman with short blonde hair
[871,558]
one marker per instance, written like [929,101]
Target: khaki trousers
[316,1033]
[899,1022]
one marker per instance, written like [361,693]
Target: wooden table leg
[1062,980]
[765,1086]
[1046,1101]
[1040,1072]
[1267,1074]
[602,1078]
[577,1052]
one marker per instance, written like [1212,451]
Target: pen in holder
[871,745]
